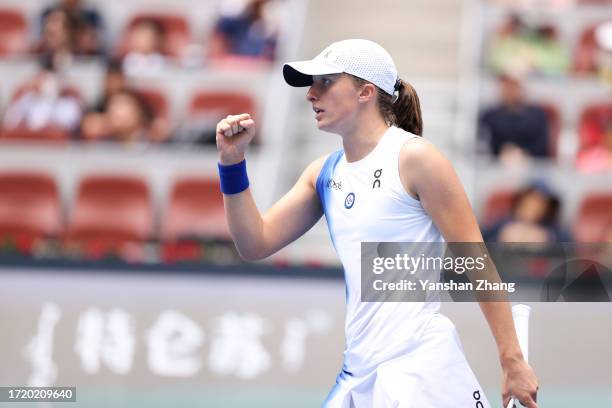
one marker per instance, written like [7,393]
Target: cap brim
[299,73]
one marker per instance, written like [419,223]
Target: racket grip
[520,315]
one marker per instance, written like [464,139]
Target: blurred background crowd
[108,114]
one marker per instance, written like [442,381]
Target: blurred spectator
[45,101]
[114,81]
[603,36]
[246,28]
[597,158]
[514,129]
[58,36]
[98,122]
[533,218]
[519,47]
[126,118]
[93,124]
[145,49]
[86,26]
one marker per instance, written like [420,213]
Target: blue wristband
[233,178]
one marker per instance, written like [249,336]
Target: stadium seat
[113,210]
[593,121]
[205,102]
[176,29]
[156,101]
[195,210]
[594,216]
[29,205]
[47,134]
[13,32]
[497,206]
[208,107]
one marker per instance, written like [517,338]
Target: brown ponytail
[407,109]
[405,112]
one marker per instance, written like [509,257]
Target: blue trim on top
[326,172]
[323,191]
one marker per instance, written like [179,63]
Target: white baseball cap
[362,58]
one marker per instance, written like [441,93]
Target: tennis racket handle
[520,315]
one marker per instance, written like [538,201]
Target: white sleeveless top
[366,201]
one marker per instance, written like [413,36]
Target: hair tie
[398,84]
[396,88]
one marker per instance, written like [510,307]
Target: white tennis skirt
[435,375]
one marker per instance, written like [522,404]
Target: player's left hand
[520,382]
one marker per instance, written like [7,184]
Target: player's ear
[368,92]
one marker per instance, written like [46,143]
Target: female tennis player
[386,184]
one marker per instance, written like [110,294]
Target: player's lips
[318,112]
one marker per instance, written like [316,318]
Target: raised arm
[428,175]
[257,236]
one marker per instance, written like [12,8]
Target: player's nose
[312,95]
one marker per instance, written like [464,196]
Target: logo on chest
[333,184]
[376,183]
[349,201]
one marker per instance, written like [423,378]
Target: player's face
[334,100]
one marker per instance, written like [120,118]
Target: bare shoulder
[418,152]
[421,161]
[312,171]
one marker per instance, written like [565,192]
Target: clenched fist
[234,133]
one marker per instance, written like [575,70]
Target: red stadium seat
[113,210]
[47,134]
[204,102]
[593,122]
[498,205]
[29,205]
[176,31]
[195,210]
[13,33]
[212,106]
[594,216]
[155,100]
